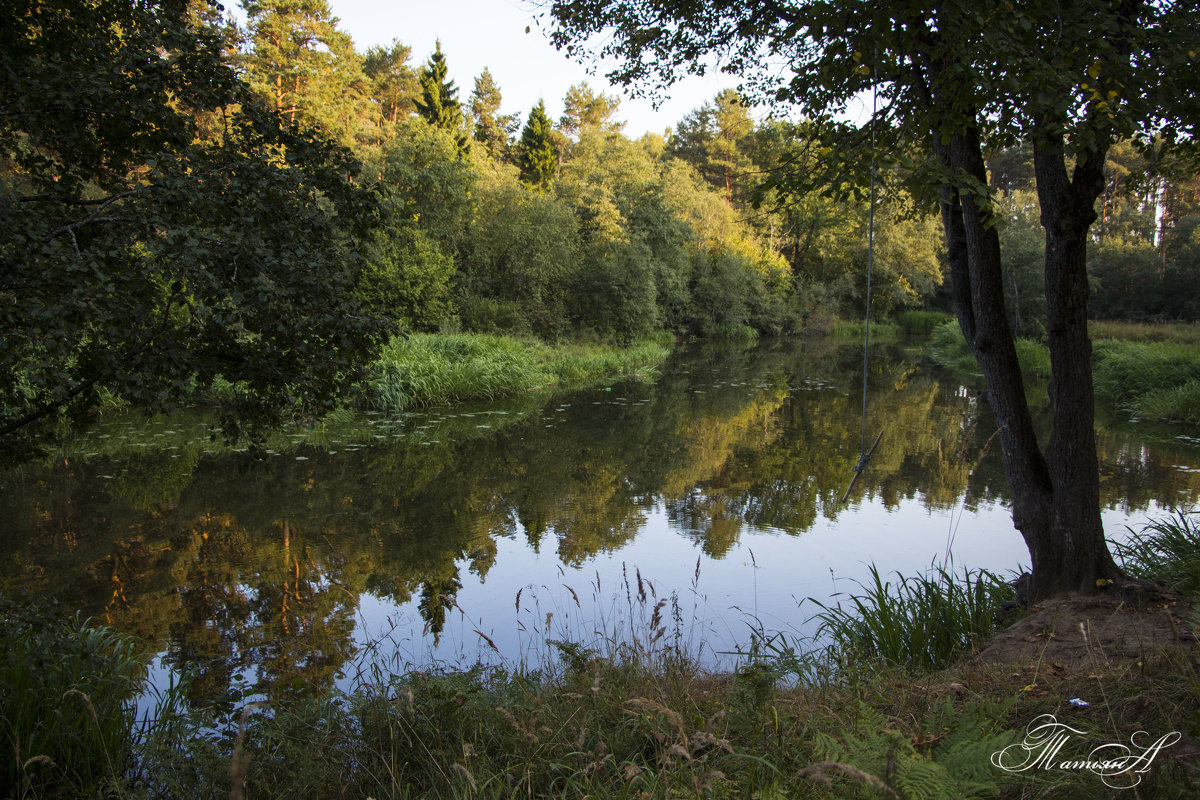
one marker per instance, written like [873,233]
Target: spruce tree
[438,103]
[537,150]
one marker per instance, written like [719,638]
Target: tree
[438,103]
[305,66]
[716,139]
[537,151]
[142,261]
[584,108]
[393,83]
[1068,78]
[492,129]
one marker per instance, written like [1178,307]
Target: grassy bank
[907,323]
[1148,378]
[433,369]
[627,716]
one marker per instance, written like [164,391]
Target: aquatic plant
[432,369]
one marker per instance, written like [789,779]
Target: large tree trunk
[1055,496]
[1076,554]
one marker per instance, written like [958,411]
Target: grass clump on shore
[923,622]
[66,705]
[1151,380]
[1126,330]
[852,330]
[922,323]
[432,369]
[1165,551]
[639,717]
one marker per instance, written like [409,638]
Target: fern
[954,763]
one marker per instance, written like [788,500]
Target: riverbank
[633,715]
[437,369]
[1151,373]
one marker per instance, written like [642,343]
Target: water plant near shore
[921,622]
[1166,551]
[1150,379]
[66,689]
[633,717]
[430,369]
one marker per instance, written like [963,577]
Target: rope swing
[864,455]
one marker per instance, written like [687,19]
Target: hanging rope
[864,455]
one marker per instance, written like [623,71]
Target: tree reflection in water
[254,567]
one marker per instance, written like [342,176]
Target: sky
[491,33]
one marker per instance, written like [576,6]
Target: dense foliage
[183,202]
[142,191]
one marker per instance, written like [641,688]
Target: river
[686,510]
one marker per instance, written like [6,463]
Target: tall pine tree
[304,65]
[585,108]
[492,129]
[393,82]
[537,150]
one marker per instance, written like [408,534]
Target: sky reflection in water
[283,567]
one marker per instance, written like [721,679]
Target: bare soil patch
[1094,629]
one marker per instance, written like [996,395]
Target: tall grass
[66,705]
[922,323]
[852,330]
[923,622]
[1151,380]
[629,714]
[1166,551]
[434,369]
[1176,332]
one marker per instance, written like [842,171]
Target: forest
[150,156]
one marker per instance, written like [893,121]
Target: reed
[922,323]
[67,691]
[1127,330]
[852,330]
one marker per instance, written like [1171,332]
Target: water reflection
[263,571]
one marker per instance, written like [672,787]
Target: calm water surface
[479,533]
